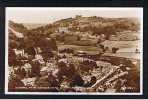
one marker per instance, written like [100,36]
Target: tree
[114,49]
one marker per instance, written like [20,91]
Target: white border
[71,93]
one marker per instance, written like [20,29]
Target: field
[126,48]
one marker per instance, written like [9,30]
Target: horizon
[48,15]
[65,18]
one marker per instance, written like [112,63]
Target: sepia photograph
[74,50]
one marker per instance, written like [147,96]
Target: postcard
[74,50]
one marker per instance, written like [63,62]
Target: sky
[51,14]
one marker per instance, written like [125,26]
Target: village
[70,56]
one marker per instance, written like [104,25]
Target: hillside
[92,27]
[19,27]
[100,23]
[83,30]
[21,37]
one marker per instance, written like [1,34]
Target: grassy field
[126,48]
[129,45]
